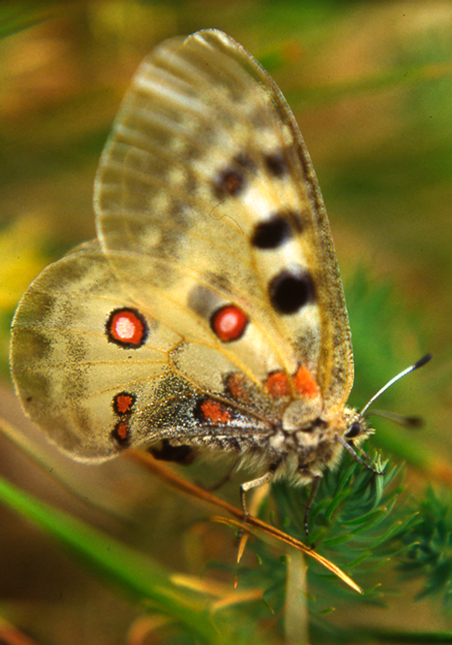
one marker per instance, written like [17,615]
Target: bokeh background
[370,83]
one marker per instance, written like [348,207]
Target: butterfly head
[308,450]
[352,427]
[356,427]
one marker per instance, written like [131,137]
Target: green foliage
[353,520]
[429,547]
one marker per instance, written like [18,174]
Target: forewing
[207,190]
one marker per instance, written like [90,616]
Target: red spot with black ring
[229,323]
[127,328]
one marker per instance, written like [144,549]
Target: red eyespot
[229,323]
[127,328]
[123,403]
[214,412]
[121,433]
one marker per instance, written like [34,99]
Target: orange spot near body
[305,383]
[229,323]
[215,412]
[277,385]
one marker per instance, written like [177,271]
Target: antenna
[400,419]
[420,363]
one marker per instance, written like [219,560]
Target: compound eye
[355,430]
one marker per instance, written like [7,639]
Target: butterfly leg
[255,483]
[354,454]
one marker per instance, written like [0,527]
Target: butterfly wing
[93,391]
[213,297]
[207,186]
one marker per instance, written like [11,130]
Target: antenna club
[422,361]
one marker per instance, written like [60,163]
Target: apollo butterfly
[209,313]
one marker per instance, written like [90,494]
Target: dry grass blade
[251,523]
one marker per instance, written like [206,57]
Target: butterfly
[209,313]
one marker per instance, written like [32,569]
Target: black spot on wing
[276,164]
[272,233]
[290,291]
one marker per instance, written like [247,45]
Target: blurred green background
[370,83]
